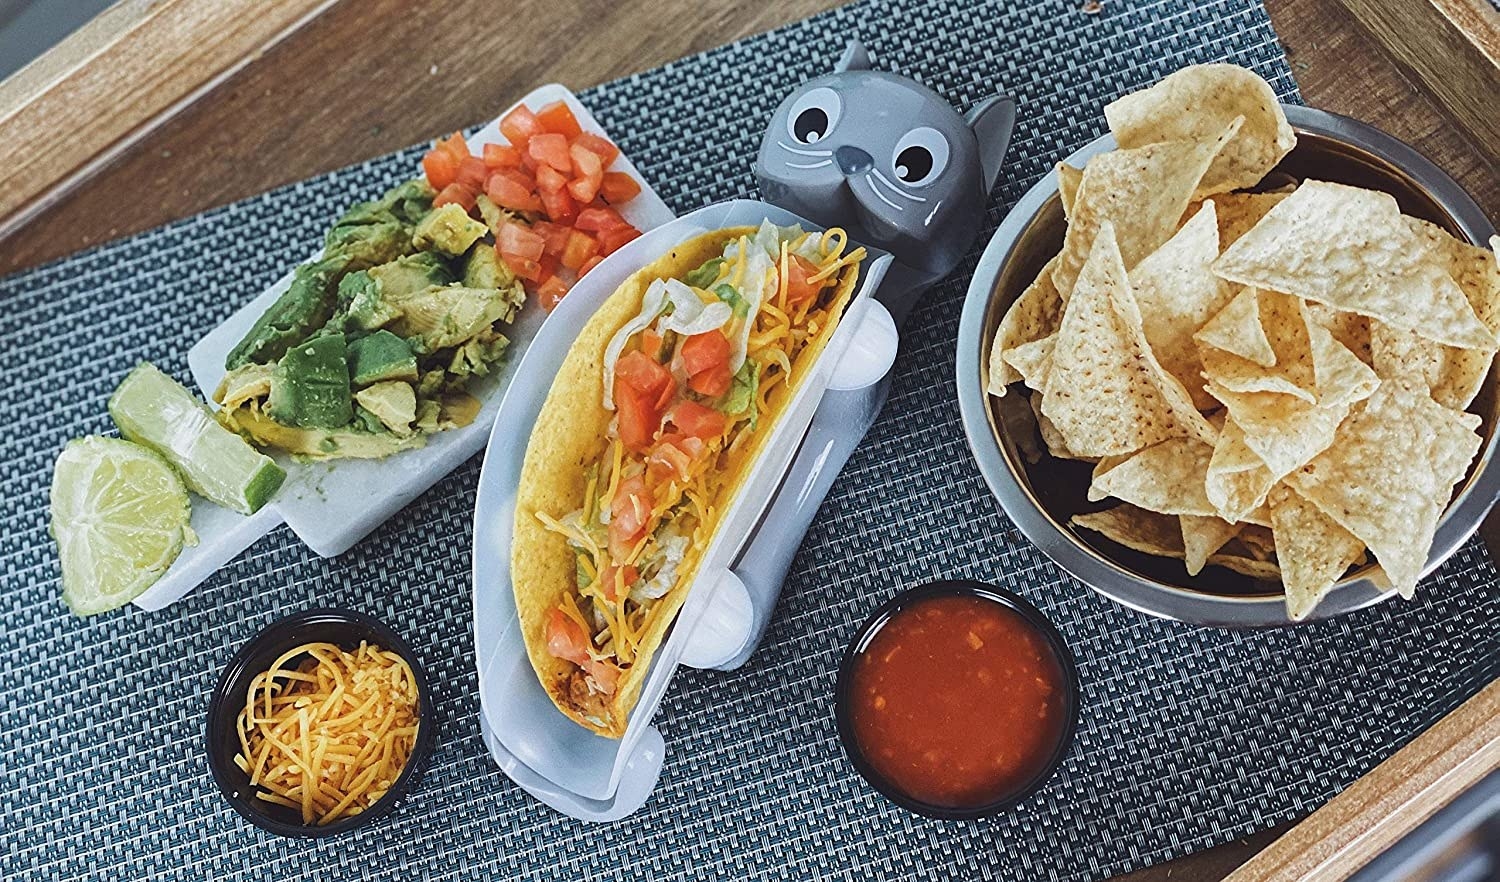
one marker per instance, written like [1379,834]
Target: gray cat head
[887,159]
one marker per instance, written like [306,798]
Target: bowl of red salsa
[957,699]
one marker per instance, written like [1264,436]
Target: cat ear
[855,57]
[992,121]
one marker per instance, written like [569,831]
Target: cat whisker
[818,164]
[932,214]
[876,190]
[802,152]
[898,190]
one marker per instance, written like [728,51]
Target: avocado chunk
[475,355]
[485,269]
[439,317]
[368,244]
[410,274]
[304,307]
[310,386]
[448,230]
[408,202]
[381,356]
[360,306]
[393,402]
[312,443]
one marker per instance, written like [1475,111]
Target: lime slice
[153,409]
[120,517]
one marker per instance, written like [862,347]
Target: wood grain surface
[369,76]
[113,81]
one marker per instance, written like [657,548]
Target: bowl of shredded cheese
[319,724]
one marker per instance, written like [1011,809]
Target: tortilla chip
[1452,376]
[1237,479]
[1313,550]
[1389,476]
[1292,372]
[1237,329]
[1238,212]
[1104,391]
[1143,192]
[1033,315]
[1161,535]
[1177,294]
[1349,328]
[1256,540]
[1068,179]
[1144,531]
[1052,438]
[1340,377]
[1166,478]
[1032,361]
[1349,248]
[1198,102]
[1284,431]
[1201,537]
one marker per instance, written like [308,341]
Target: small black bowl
[344,628]
[1005,598]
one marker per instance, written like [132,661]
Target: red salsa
[957,701]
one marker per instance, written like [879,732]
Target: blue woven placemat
[1189,737]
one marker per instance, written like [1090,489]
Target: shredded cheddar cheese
[330,736]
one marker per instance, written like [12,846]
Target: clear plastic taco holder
[553,758]
[332,505]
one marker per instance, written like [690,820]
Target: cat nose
[852,160]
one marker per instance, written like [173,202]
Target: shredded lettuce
[652,303]
[689,315]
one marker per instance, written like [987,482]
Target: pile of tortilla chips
[1272,382]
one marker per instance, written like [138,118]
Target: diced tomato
[513,238]
[798,288]
[557,236]
[528,162]
[566,639]
[629,516]
[501,156]
[510,188]
[520,125]
[455,145]
[588,174]
[643,373]
[590,264]
[584,189]
[696,420]
[651,343]
[667,461]
[611,240]
[596,218]
[702,352]
[618,589]
[559,206]
[618,187]
[524,267]
[456,192]
[548,264]
[550,292]
[580,247]
[472,173]
[713,383]
[638,417]
[549,179]
[552,149]
[441,168]
[599,146]
[557,118]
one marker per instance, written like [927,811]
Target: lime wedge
[120,517]
[153,409]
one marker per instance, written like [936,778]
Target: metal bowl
[1040,496]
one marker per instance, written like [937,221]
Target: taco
[657,416]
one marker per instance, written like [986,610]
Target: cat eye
[920,156]
[814,115]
